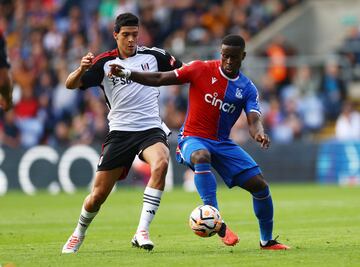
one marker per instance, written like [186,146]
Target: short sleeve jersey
[215,101]
[4,62]
[133,106]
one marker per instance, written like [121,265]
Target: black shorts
[121,147]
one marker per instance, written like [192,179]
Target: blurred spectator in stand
[81,132]
[96,111]
[310,106]
[37,60]
[216,20]
[107,10]
[238,20]
[274,116]
[196,34]
[176,42]
[76,49]
[175,107]
[61,136]
[9,132]
[333,90]
[277,51]
[277,56]
[26,111]
[284,125]
[240,131]
[53,39]
[348,123]
[151,25]
[292,119]
[43,92]
[260,14]
[96,33]
[306,82]
[268,88]
[351,49]
[64,101]
[124,6]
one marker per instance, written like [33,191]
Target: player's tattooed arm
[73,81]
[256,129]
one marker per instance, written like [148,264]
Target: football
[205,221]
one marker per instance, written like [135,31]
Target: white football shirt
[133,106]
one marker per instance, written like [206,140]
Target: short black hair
[125,19]
[234,40]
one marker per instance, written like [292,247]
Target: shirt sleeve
[94,75]
[252,101]
[166,62]
[188,71]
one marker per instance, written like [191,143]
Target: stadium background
[304,56]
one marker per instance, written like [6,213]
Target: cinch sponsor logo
[216,102]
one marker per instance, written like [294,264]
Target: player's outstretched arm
[146,78]
[256,129]
[73,81]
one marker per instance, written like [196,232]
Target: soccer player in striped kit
[218,93]
[135,126]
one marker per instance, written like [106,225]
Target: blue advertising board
[339,162]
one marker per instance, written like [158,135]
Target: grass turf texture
[320,223]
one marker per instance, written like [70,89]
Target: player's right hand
[118,71]
[263,139]
[86,61]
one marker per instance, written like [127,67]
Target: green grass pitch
[320,223]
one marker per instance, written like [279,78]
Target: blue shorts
[231,162]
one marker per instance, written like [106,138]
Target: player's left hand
[263,139]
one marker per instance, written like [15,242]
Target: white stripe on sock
[84,221]
[151,202]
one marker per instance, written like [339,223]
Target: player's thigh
[155,153]
[154,146]
[187,147]
[230,160]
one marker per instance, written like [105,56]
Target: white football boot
[73,244]
[141,240]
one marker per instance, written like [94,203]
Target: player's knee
[160,166]
[201,156]
[255,184]
[262,193]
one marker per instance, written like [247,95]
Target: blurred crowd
[47,38]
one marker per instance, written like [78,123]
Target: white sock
[84,221]
[263,243]
[151,202]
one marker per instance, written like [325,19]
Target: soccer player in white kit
[135,126]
